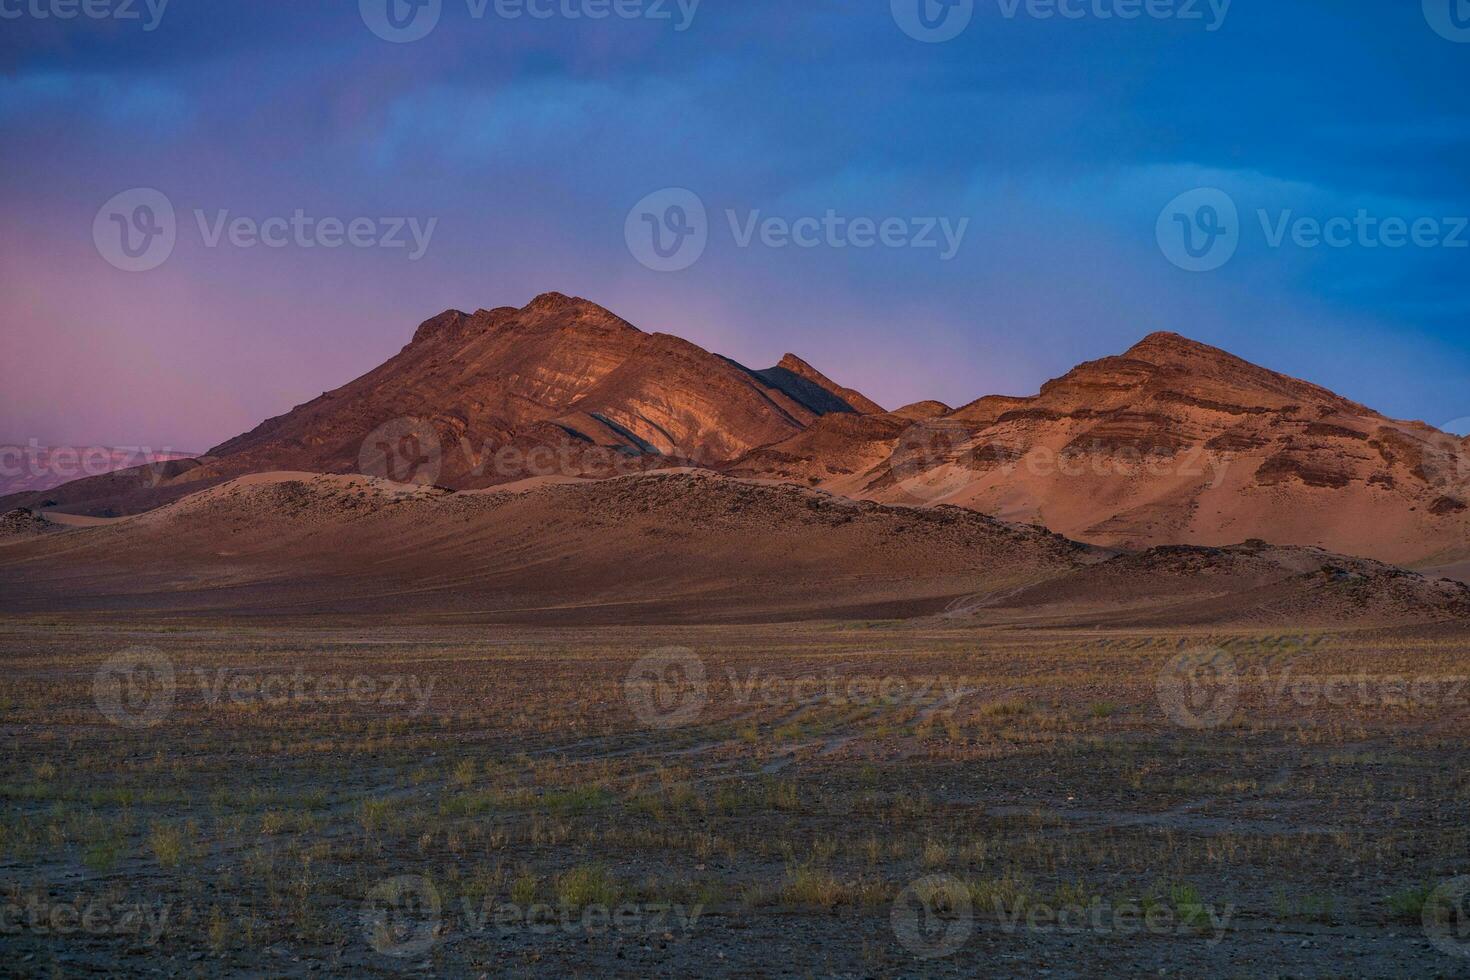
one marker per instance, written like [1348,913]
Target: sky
[214,211]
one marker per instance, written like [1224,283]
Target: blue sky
[1057,141]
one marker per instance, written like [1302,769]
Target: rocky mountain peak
[1164,347]
[849,399]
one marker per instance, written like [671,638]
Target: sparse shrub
[1073,894]
[219,929]
[1005,709]
[374,815]
[586,885]
[523,889]
[169,845]
[1188,906]
[809,886]
[1009,893]
[936,854]
[780,795]
[1408,904]
[101,855]
[1313,908]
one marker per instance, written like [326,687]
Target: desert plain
[833,798]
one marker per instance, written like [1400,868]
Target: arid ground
[185,796]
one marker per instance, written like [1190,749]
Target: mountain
[676,546]
[560,385]
[559,372]
[1172,442]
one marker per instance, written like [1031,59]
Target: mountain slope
[559,386]
[561,372]
[1172,442]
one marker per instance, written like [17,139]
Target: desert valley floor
[833,799]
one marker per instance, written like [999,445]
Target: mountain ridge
[1172,442]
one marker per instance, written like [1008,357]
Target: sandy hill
[675,546]
[680,546]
